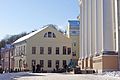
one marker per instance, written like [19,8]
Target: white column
[86,30]
[81,32]
[93,28]
[108,32]
[117,27]
[99,25]
[89,27]
[116,17]
[83,28]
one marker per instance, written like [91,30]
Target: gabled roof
[29,35]
[33,33]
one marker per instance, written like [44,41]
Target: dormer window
[45,35]
[54,35]
[50,35]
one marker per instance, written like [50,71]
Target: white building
[98,34]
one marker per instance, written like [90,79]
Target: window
[64,50]
[54,35]
[19,51]
[74,53]
[45,35]
[57,62]
[74,44]
[49,50]
[49,34]
[33,50]
[24,49]
[20,63]
[42,63]
[69,51]
[33,62]
[57,50]
[12,53]
[24,64]
[74,32]
[41,50]
[49,63]
[64,62]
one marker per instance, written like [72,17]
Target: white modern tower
[98,35]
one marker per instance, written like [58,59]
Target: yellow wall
[76,39]
[75,48]
[38,41]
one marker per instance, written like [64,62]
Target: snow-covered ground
[57,76]
[113,73]
[10,76]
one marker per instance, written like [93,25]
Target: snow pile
[114,73]
[9,76]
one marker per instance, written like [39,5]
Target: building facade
[7,60]
[98,35]
[73,31]
[47,47]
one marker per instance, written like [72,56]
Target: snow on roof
[33,33]
[29,35]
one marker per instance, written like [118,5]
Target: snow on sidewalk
[59,76]
[113,73]
[63,76]
[10,76]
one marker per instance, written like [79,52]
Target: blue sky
[18,16]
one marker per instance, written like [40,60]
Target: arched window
[50,35]
[45,35]
[54,35]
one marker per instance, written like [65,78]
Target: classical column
[89,34]
[117,25]
[108,31]
[86,29]
[89,27]
[93,27]
[81,30]
[99,26]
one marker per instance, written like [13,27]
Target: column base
[106,62]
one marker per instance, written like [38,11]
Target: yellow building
[47,47]
[73,33]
